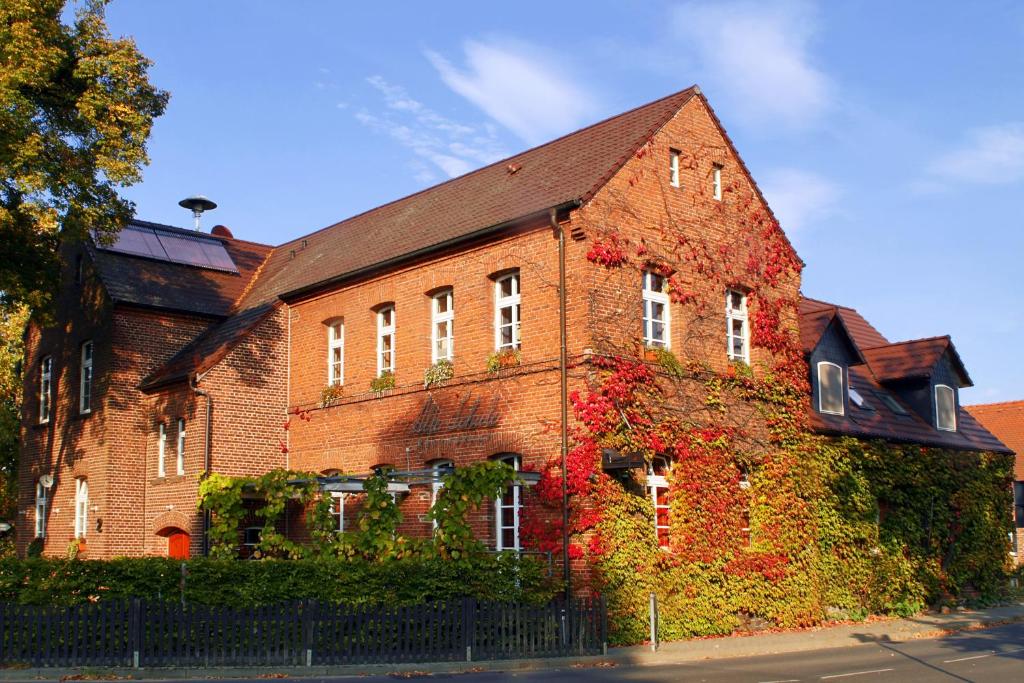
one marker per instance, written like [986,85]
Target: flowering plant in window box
[666,359]
[330,393]
[385,381]
[441,371]
[504,359]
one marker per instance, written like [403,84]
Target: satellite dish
[197,204]
[46,481]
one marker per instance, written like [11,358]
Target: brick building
[177,353]
[1006,421]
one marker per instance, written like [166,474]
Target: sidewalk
[889,631]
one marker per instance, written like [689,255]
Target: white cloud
[756,54]
[454,148]
[800,199]
[528,94]
[992,155]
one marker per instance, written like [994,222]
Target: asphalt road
[995,654]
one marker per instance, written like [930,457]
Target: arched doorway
[178,543]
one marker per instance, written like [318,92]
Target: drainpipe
[206,456]
[563,375]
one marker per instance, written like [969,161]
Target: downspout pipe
[206,455]
[563,376]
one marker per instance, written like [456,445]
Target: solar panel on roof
[192,250]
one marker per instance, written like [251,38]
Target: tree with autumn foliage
[76,110]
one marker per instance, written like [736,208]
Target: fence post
[307,630]
[604,626]
[654,622]
[468,626]
[135,630]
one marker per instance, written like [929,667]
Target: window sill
[168,479]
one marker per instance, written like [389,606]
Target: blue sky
[888,137]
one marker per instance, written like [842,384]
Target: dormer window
[830,388]
[945,408]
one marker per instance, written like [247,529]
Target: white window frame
[385,331]
[446,319]
[652,297]
[716,182]
[513,302]
[45,389]
[952,398]
[85,378]
[81,507]
[181,446]
[734,314]
[338,509]
[42,505]
[842,389]
[655,484]
[516,507]
[161,450]
[673,167]
[439,469]
[336,342]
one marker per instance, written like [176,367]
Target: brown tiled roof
[913,359]
[1006,421]
[569,169]
[151,283]
[209,348]
[886,362]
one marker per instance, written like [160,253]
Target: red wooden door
[177,545]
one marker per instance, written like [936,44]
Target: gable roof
[914,359]
[151,283]
[1006,421]
[887,362]
[562,172]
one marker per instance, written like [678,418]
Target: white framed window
[507,509]
[385,340]
[673,167]
[161,450]
[85,380]
[338,510]
[439,470]
[945,408]
[657,490]
[42,505]
[181,446]
[737,327]
[716,182]
[81,507]
[45,388]
[506,312]
[336,353]
[442,319]
[830,388]
[657,322]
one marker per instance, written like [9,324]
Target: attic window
[891,403]
[830,388]
[945,408]
[859,401]
[716,182]
[673,167]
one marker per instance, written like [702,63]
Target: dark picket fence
[137,633]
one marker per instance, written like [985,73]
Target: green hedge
[503,577]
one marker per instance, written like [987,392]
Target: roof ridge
[997,404]
[252,281]
[909,341]
[693,89]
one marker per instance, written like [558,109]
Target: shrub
[383,383]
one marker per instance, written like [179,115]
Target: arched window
[439,469]
[830,388]
[442,319]
[81,507]
[945,408]
[42,506]
[657,489]
[507,509]
[506,312]
[336,352]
